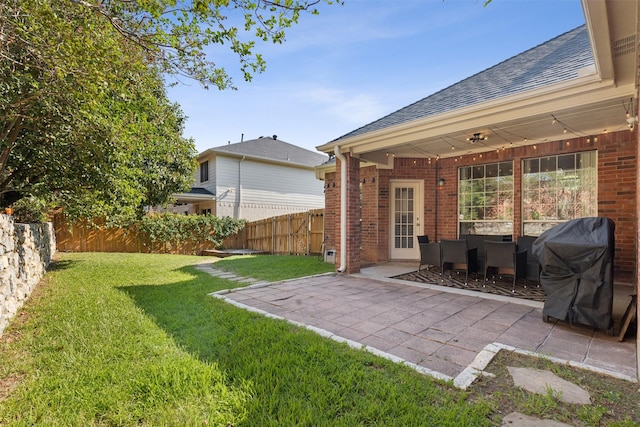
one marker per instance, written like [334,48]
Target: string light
[632,119]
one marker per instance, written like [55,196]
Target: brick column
[353,214]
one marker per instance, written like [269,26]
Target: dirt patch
[613,401]
[8,384]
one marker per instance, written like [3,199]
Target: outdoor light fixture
[477,137]
[441,182]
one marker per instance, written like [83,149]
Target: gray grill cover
[577,271]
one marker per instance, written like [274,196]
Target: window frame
[535,221]
[482,174]
[204,167]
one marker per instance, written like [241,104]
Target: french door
[407,211]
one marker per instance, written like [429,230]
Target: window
[485,199]
[204,171]
[558,188]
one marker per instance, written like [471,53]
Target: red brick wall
[331,213]
[617,173]
[370,249]
[617,170]
[353,215]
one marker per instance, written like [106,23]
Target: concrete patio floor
[441,330]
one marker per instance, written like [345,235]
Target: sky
[357,62]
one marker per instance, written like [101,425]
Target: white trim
[193,197]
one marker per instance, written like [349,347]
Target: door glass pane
[404,217]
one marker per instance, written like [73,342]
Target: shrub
[178,229]
[30,210]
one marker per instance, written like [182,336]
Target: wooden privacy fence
[296,234]
[84,237]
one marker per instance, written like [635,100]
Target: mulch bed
[502,285]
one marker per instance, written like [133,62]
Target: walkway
[448,333]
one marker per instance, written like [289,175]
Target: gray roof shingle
[269,148]
[554,61]
[201,191]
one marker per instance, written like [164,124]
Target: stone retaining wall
[25,253]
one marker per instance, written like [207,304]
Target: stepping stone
[516,419]
[540,381]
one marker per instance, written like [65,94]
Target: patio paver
[439,330]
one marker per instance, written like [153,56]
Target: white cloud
[351,108]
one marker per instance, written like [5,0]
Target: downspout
[343,209]
[239,195]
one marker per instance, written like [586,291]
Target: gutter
[343,209]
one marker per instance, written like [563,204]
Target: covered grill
[576,259]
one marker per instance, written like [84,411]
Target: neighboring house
[254,179]
[541,138]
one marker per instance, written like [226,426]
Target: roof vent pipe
[343,209]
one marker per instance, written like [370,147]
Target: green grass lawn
[133,339]
[274,267]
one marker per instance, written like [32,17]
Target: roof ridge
[269,148]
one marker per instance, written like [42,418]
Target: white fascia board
[323,169]
[597,19]
[193,197]
[205,153]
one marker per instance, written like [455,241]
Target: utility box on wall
[330,256]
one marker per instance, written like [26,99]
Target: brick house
[543,137]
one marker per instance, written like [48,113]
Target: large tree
[84,117]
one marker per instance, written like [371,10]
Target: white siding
[266,189]
[227,186]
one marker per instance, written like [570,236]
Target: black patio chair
[505,255]
[429,255]
[477,241]
[456,253]
[423,239]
